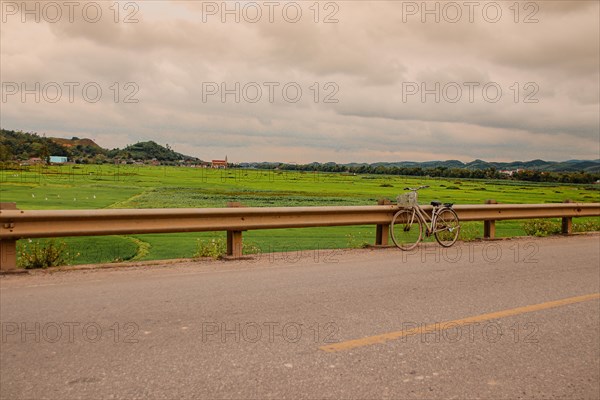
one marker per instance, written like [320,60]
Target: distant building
[58,159]
[219,163]
[34,160]
[511,172]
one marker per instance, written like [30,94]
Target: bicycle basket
[407,199]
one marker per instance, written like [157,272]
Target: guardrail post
[8,248]
[234,238]
[234,243]
[382,232]
[489,226]
[567,223]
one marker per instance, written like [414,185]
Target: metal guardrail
[24,224]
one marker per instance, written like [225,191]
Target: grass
[109,186]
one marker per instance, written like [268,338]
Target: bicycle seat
[436,203]
[449,205]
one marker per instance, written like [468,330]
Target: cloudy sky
[344,81]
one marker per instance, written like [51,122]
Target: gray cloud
[369,56]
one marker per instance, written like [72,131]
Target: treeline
[442,172]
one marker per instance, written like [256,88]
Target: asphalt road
[309,326]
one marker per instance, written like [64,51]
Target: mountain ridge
[589,166]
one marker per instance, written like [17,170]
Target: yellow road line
[370,340]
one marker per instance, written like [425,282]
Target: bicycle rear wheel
[447,227]
[407,229]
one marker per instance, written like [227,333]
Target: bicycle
[407,224]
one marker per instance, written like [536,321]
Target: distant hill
[79,149]
[590,166]
[17,145]
[151,151]
[21,145]
[75,142]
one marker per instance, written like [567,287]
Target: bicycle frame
[428,222]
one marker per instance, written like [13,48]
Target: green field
[130,186]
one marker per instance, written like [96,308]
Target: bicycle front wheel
[407,229]
[447,227]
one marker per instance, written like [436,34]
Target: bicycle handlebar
[415,189]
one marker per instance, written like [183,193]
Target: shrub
[386,185]
[546,227]
[587,226]
[541,227]
[217,248]
[214,248]
[36,254]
